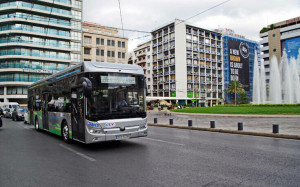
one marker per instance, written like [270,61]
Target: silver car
[7,112]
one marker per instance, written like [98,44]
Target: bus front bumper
[94,138]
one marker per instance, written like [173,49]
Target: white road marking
[164,141]
[24,126]
[78,153]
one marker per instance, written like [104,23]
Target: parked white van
[9,105]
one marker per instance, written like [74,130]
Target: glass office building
[37,38]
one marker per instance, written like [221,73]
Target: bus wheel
[36,125]
[65,132]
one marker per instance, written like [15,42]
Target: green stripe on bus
[55,132]
[70,134]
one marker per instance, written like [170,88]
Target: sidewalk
[255,124]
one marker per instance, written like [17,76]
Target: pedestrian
[159,107]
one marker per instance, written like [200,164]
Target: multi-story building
[142,56]
[239,56]
[277,37]
[103,44]
[37,38]
[187,64]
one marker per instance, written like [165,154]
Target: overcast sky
[244,17]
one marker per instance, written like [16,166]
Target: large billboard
[292,47]
[239,62]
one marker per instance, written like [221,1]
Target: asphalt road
[167,157]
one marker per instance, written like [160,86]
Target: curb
[231,115]
[293,137]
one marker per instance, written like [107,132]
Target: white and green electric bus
[91,102]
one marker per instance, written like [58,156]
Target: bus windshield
[116,96]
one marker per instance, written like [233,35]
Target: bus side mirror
[87,86]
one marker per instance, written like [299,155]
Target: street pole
[235,91]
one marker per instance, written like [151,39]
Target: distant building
[277,37]
[37,38]
[239,54]
[103,44]
[142,56]
[187,65]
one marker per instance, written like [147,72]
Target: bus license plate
[123,136]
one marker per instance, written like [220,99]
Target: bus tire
[36,124]
[65,132]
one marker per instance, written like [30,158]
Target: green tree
[235,87]
[243,99]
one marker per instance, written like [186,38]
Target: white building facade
[142,56]
[277,37]
[187,65]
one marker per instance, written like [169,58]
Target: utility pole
[235,91]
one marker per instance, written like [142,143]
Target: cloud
[245,17]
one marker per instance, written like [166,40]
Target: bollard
[240,126]
[171,121]
[190,122]
[155,120]
[212,124]
[275,128]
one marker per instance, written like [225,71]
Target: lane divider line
[78,153]
[164,141]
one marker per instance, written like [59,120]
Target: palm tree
[235,87]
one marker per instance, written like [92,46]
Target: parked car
[18,114]
[7,112]
[26,117]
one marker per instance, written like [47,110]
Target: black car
[18,114]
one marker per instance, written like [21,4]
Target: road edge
[293,137]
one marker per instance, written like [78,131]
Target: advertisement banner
[292,47]
[239,62]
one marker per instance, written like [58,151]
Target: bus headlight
[96,131]
[144,126]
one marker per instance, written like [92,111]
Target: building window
[110,53]
[119,55]
[87,39]
[112,42]
[123,55]
[87,51]
[108,42]
[98,41]
[98,52]
[102,41]
[119,44]
[123,44]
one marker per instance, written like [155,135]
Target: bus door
[45,111]
[77,120]
[31,103]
